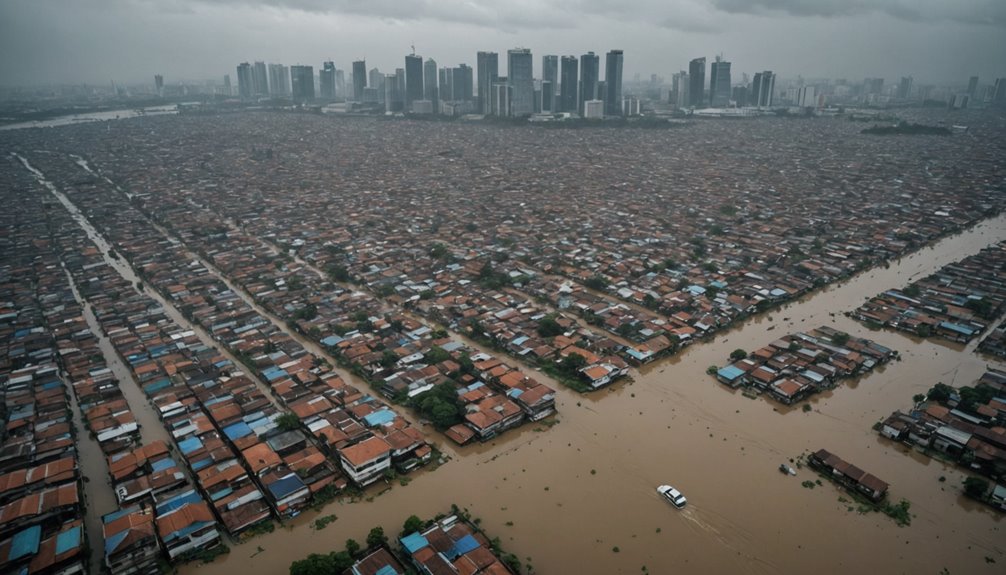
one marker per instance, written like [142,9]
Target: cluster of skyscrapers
[567,84]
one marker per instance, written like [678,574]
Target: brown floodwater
[562,498]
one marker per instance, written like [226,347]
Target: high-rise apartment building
[326,81]
[359,79]
[487,68]
[568,88]
[520,71]
[431,87]
[550,71]
[302,83]
[697,82]
[279,81]
[762,88]
[413,80]
[245,87]
[613,83]
[260,79]
[590,73]
[719,83]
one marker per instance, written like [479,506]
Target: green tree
[412,525]
[738,354]
[352,547]
[314,564]
[840,338]
[572,363]
[596,282]
[338,273]
[976,487]
[548,327]
[437,354]
[388,358]
[376,537]
[288,422]
[308,312]
[940,393]
[438,251]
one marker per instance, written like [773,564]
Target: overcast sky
[56,41]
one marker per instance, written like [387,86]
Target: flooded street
[563,498]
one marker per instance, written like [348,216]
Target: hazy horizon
[128,41]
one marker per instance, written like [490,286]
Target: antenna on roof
[413,49]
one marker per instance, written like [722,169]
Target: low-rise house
[849,475]
[365,462]
[130,541]
[185,525]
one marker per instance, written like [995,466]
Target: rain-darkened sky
[57,41]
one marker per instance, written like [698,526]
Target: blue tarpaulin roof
[381,417]
[162,464]
[25,543]
[962,329]
[237,430]
[730,372]
[285,486]
[68,540]
[462,546]
[273,373]
[178,501]
[331,340]
[414,542]
[158,385]
[190,444]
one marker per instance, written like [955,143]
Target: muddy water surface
[563,498]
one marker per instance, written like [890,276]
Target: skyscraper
[279,80]
[762,89]
[227,85]
[487,64]
[567,91]
[684,92]
[413,80]
[520,71]
[260,80]
[431,88]
[550,71]
[500,100]
[159,84]
[905,88]
[697,82]
[719,83]
[999,92]
[302,83]
[973,87]
[613,83]
[245,81]
[359,79]
[340,84]
[461,83]
[326,81]
[547,96]
[590,73]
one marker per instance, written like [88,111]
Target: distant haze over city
[97,41]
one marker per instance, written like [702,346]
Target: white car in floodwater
[673,495]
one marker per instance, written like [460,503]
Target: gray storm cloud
[54,41]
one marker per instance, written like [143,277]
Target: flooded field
[563,498]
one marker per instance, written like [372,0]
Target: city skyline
[192,39]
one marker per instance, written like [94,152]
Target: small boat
[673,495]
[783,468]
